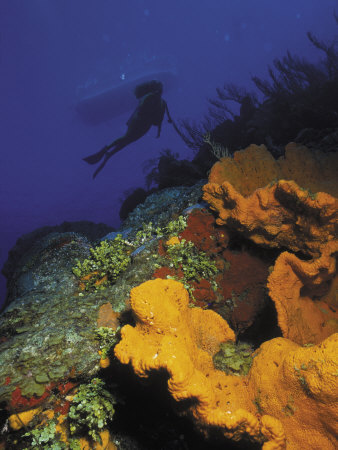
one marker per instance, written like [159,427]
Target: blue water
[53,51]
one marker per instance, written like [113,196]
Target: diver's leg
[131,135]
[108,155]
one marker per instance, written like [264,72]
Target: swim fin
[107,156]
[96,157]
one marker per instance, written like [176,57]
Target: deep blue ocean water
[52,52]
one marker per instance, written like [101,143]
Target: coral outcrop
[281,391]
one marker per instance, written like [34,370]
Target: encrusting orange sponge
[255,167]
[19,420]
[170,335]
[279,215]
[305,295]
[299,385]
[288,400]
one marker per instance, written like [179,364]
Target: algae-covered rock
[48,331]
[160,207]
[90,230]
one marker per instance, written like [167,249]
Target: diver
[150,111]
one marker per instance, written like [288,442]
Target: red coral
[161,248]
[163,272]
[203,293]
[66,387]
[19,402]
[202,232]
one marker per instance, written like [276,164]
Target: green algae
[234,359]
[42,378]
[194,264]
[32,388]
[112,257]
[107,338]
[91,409]
[108,260]
[46,437]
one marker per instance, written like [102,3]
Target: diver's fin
[107,156]
[96,157]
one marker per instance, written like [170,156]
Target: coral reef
[243,288]
[236,290]
[39,330]
[105,264]
[161,207]
[240,280]
[277,399]
[27,243]
[53,433]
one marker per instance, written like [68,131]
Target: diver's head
[153,86]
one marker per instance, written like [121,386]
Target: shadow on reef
[147,416]
[299,103]
[265,325]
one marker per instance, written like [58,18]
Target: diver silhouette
[150,111]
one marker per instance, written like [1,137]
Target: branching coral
[295,386]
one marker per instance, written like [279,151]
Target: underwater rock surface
[48,319]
